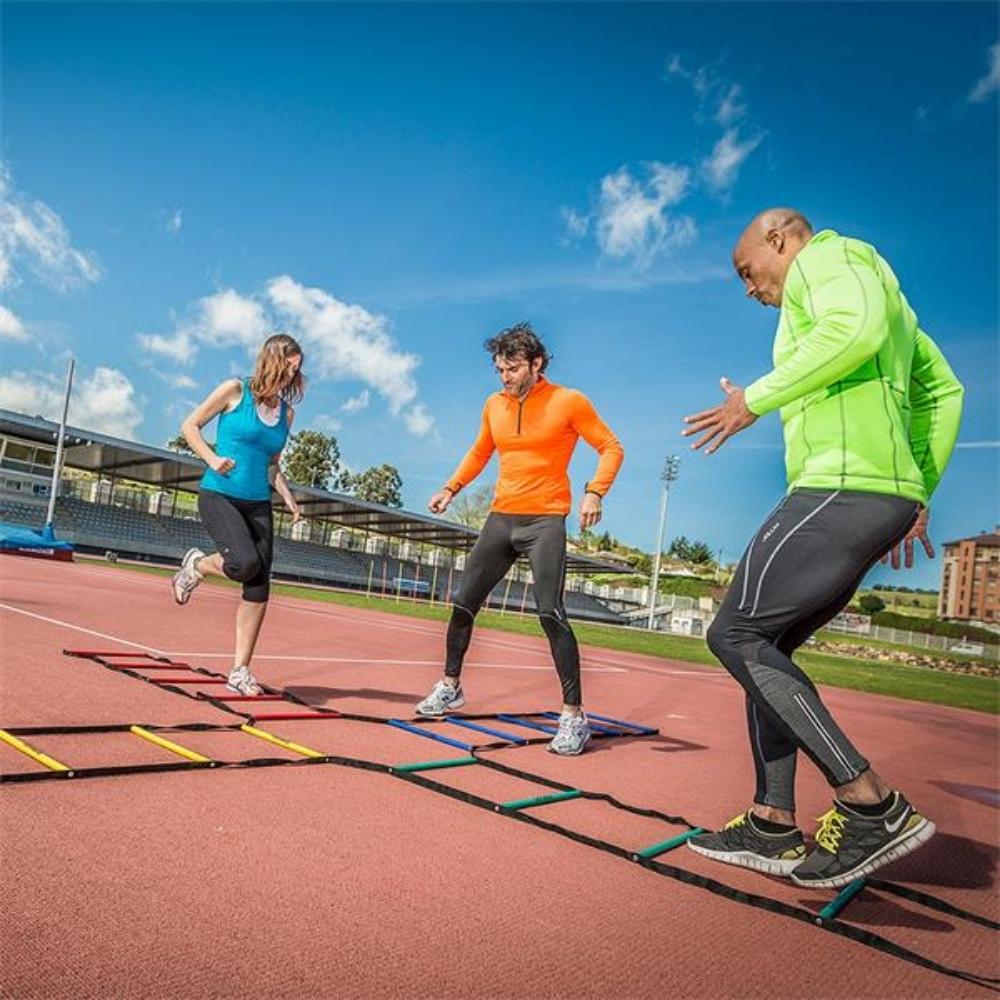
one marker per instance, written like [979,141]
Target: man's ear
[776,238]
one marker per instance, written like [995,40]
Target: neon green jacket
[867,399]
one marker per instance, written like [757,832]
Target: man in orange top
[534,425]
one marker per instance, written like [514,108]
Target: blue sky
[396,182]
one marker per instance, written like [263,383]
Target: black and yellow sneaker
[850,845]
[741,842]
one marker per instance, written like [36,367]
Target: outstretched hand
[720,423]
[917,532]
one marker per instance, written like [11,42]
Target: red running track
[326,881]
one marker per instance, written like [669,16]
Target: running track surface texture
[316,881]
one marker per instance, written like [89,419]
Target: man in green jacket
[871,411]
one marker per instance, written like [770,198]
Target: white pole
[659,551]
[57,465]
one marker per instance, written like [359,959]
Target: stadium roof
[989,539]
[102,454]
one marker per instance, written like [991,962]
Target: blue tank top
[250,443]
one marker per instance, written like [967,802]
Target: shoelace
[736,821]
[831,830]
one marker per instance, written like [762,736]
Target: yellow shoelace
[831,830]
[738,821]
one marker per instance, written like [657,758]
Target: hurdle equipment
[434,765]
[654,850]
[539,800]
[510,738]
[399,724]
[176,748]
[262,734]
[36,755]
[833,909]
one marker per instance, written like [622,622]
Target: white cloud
[723,166]
[730,108]
[357,403]
[340,341]
[176,380]
[987,84]
[220,320]
[575,224]
[175,223]
[11,328]
[418,421]
[327,423]
[346,341]
[632,215]
[978,444]
[179,347]
[103,401]
[33,234]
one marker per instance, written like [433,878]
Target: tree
[180,444]
[605,543]
[699,553]
[472,507]
[680,548]
[870,604]
[379,484]
[313,459]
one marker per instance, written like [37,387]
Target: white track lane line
[472,664]
[80,628]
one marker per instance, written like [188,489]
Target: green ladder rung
[667,845]
[434,765]
[540,800]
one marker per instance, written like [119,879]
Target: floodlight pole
[57,465]
[668,475]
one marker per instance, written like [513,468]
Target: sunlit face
[762,267]
[517,375]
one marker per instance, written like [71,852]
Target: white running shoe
[241,681]
[187,577]
[443,699]
[573,735]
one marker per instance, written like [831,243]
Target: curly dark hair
[518,341]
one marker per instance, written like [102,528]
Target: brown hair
[518,341]
[270,373]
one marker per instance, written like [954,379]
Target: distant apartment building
[970,581]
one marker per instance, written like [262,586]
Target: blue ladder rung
[511,738]
[399,724]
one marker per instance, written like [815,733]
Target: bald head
[766,250]
[784,220]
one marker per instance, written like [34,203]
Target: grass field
[899,680]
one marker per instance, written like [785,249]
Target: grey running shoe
[573,735]
[849,845]
[443,699]
[741,843]
[241,681]
[187,577]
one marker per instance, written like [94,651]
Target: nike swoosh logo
[893,827]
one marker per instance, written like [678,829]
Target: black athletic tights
[800,570]
[504,538]
[243,532]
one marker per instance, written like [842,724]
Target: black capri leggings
[243,532]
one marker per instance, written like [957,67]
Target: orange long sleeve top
[535,438]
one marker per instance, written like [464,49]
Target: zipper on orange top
[520,407]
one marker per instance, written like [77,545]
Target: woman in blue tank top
[255,416]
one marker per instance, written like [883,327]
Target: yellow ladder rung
[170,745]
[278,741]
[43,758]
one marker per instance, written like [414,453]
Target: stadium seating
[130,533]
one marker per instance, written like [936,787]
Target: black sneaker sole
[907,842]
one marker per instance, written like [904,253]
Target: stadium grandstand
[137,501]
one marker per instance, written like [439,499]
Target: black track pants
[801,568]
[504,538]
